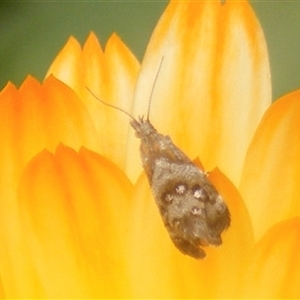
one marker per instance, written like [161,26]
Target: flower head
[78,217]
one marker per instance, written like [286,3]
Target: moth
[191,208]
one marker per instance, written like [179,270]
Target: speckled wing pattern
[192,210]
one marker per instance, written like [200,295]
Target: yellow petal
[167,273]
[74,216]
[274,266]
[2,293]
[111,76]
[270,183]
[214,84]
[67,64]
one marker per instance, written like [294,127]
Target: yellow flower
[77,215]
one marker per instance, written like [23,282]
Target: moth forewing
[192,210]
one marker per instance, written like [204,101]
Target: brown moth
[192,210]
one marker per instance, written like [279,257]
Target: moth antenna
[112,106]
[154,83]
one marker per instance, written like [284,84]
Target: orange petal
[111,76]
[33,118]
[274,267]
[214,84]
[270,183]
[40,116]
[167,273]
[74,216]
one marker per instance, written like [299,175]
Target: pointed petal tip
[92,35]
[115,45]
[8,88]
[92,44]
[29,83]
[72,41]
[63,64]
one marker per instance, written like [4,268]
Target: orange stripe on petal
[74,216]
[214,84]
[270,183]
[274,267]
